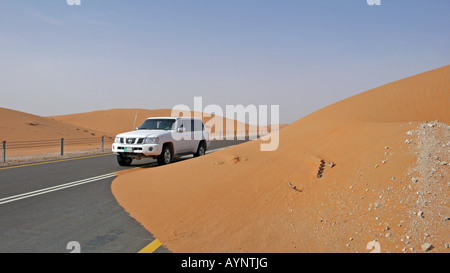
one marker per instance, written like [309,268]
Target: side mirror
[137,128]
[180,130]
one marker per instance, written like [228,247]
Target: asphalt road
[45,207]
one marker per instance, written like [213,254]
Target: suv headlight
[151,140]
[117,140]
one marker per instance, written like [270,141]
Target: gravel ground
[429,214]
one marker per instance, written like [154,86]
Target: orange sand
[242,200]
[18,126]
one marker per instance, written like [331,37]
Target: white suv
[162,138]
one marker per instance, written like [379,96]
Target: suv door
[183,139]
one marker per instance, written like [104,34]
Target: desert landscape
[370,168]
[32,138]
[326,129]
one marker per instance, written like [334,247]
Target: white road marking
[54,188]
[67,185]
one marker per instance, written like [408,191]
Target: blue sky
[300,54]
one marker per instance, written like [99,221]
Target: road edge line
[150,248]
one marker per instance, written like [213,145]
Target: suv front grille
[131,140]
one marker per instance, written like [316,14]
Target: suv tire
[166,156]
[201,150]
[123,160]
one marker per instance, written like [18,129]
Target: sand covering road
[367,168]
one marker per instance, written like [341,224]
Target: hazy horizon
[57,59]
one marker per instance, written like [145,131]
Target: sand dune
[114,121]
[18,126]
[368,168]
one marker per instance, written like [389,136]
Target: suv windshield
[157,124]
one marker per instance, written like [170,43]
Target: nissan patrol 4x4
[162,138]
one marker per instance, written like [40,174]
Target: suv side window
[198,125]
[186,124]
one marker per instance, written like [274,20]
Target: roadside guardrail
[62,142]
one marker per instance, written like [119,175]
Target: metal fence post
[4,151]
[62,146]
[102,142]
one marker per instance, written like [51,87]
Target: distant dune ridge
[16,126]
[373,167]
[20,126]
[116,121]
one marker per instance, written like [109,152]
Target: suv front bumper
[145,149]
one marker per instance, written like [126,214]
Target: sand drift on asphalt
[372,167]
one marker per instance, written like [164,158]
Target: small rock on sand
[427,247]
[420,214]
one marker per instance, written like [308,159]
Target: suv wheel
[123,160]
[201,150]
[166,156]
